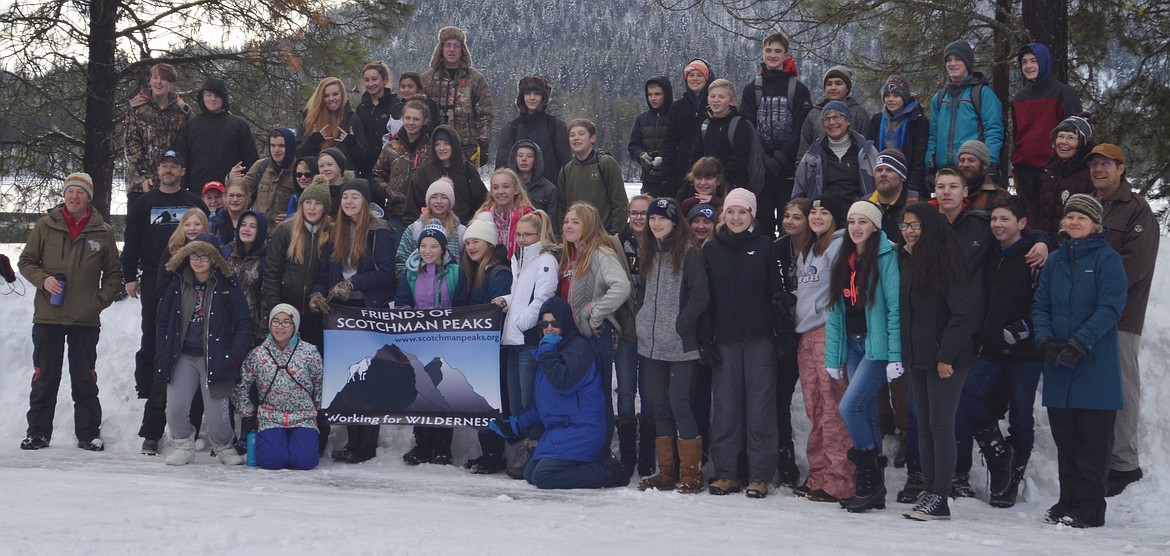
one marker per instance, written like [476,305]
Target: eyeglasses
[300,175]
[526,234]
[281,323]
[1103,163]
[834,118]
[237,195]
[910,226]
[638,214]
[452,44]
[197,258]
[547,323]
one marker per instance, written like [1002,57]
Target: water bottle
[58,298]
[251,448]
[293,202]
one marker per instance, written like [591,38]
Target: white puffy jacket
[534,281]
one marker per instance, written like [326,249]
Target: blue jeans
[1022,379]
[858,407]
[563,474]
[522,383]
[630,379]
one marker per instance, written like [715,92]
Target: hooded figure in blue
[571,406]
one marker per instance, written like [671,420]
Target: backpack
[756,168]
[758,85]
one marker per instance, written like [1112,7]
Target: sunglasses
[547,323]
[300,175]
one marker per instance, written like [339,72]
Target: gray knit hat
[1086,205]
[976,149]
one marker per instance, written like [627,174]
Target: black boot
[627,430]
[871,484]
[1008,498]
[492,460]
[787,473]
[646,457]
[999,455]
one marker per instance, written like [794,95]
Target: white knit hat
[482,227]
[289,310]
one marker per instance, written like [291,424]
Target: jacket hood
[197,247]
[789,68]
[733,240]
[261,241]
[446,34]
[457,155]
[290,148]
[529,83]
[538,168]
[563,314]
[664,82]
[217,86]
[1043,58]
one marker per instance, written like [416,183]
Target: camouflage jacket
[151,131]
[465,103]
[397,161]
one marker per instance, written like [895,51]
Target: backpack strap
[731,130]
[758,84]
[791,91]
[977,101]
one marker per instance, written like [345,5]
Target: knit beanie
[290,311]
[963,50]
[899,86]
[841,72]
[976,149]
[701,209]
[360,185]
[869,210]
[664,207]
[441,186]
[894,160]
[838,106]
[482,227]
[434,229]
[1086,205]
[338,157]
[444,136]
[837,206]
[740,197]
[1075,124]
[318,191]
[79,179]
[699,66]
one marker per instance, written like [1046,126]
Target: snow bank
[63,500]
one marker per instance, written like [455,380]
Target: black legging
[935,402]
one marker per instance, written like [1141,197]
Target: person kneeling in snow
[287,373]
[571,406]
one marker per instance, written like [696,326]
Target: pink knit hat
[740,197]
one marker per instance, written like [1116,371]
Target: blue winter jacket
[883,340]
[375,272]
[1081,295]
[569,400]
[953,121]
[229,327]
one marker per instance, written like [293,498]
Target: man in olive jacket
[71,259]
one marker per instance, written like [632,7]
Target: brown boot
[690,455]
[667,474]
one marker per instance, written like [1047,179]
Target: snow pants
[829,468]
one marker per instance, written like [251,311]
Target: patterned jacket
[288,382]
[397,161]
[150,132]
[464,100]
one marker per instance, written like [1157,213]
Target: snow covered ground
[63,500]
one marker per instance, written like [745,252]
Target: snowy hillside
[63,500]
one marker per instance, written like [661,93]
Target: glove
[646,160]
[1050,348]
[709,353]
[552,338]
[318,304]
[1072,354]
[249,424]
[1013,332]
[657,163]
[834,372]
[340,291]
[894,370]
[508,428]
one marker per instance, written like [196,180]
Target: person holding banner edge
[570,404]
[357,269]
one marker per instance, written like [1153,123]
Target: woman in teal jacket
[1077,305]
[864,330]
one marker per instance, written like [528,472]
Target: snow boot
[1118,480]
[787,473]
[757,489]
[667,474]
[34,442]
[909,493]
[999,455]
[871,485]
[1008,498]
[645,445]
[723,487]
[150,447]
[627,430]
[184,451]
[227,454]
[931,507]
[961,486]
[690,472]
[616,472]
[94,445]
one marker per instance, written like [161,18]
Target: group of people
[898,313]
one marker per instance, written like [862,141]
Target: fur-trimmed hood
[446,34]
[197,247]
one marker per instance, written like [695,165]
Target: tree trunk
[101,84]
[1047,23]
[1001,75]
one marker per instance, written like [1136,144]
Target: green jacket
[883,340]
[284,280]
[597,181]
[91,265]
